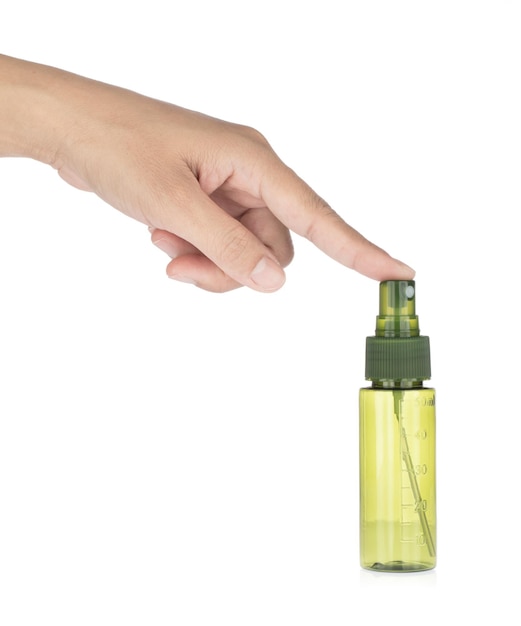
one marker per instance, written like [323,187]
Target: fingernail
[407,269]
[167,246]
[183,279]
[268,275]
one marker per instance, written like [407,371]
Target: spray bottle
[397,440]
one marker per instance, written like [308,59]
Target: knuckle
[322,214]
[253,135]
[234,245]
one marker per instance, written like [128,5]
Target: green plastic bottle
[397,440]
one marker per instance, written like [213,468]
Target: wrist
[33,120]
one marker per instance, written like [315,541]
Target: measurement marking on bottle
[407,526]
[414,471]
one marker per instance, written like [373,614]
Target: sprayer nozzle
[397,352]
[397,316]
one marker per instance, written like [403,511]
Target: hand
[214,194]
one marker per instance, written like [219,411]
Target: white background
[169,456]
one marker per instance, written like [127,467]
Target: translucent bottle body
[397,479]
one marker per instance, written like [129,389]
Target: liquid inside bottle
[397,440]
[397,479]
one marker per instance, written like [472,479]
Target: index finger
[304,212]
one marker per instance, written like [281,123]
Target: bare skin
[215,196]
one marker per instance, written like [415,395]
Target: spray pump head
[397,352]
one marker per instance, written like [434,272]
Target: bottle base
[399,566]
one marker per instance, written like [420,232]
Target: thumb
[222,239]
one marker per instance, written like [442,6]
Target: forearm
[29,111]
[41,109]
[50,115]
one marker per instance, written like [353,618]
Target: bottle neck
[402,383]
